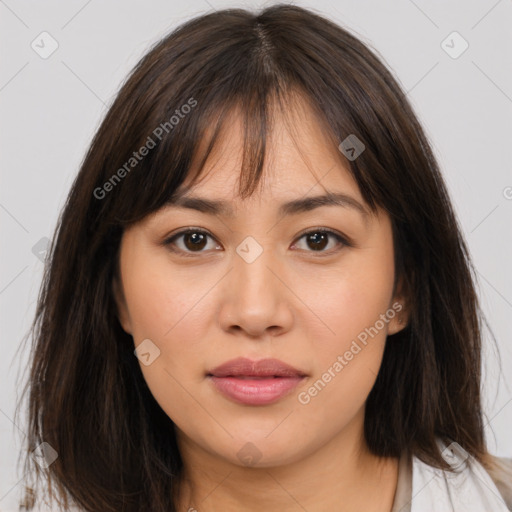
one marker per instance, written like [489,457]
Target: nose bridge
[256,299]
[254,282]
[252,269]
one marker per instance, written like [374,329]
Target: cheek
[167,309]
[354,302]
[161,303]
[356,308]
[163,311]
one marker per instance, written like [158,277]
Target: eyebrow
[293,207]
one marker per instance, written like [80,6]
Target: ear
[399,305]
[120,302]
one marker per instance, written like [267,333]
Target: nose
[257,298]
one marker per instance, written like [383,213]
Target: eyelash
[341,239]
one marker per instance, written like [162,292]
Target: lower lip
[255,392]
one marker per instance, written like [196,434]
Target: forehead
[301,156]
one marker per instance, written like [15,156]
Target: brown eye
[318,240]
[194,241]
[190,241]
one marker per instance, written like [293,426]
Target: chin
[259,451]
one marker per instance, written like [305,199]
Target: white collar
[469,489]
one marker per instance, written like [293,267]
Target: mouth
[252,377]
[264,368]
[255,382]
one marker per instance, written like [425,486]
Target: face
[310,285]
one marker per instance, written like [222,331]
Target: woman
[258,296]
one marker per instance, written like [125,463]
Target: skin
[292,303]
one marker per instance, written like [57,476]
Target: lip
[255,382]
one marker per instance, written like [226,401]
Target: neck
[342,475]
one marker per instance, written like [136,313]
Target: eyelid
[184,231]
[321,229]
[168,241]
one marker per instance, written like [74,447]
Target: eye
[195,240]
[318,239]
[191,240]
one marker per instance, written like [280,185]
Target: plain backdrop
[50,108]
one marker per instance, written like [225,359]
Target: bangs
[256,118]
[178,109]
[178,160]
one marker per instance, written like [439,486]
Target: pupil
[196,240]
[319,240]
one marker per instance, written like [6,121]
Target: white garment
[469,489]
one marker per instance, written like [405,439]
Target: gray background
[50,108]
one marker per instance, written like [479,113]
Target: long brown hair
[87,397]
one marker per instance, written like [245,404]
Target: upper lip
[242,366]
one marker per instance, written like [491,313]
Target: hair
[87,396]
